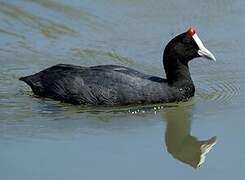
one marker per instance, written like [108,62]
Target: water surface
[45,139]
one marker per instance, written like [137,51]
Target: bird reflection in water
[179,141]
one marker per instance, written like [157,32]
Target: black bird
[119,85]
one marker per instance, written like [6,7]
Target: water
[45,139]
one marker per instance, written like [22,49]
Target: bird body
[106,84]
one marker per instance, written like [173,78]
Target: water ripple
[47,27]
[220,91]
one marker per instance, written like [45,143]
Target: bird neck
[177,73]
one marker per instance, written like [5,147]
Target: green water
[45,139]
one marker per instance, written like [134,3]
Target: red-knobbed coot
[119,85]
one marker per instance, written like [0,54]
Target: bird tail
[34,83]
[22,79]
[27,80]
